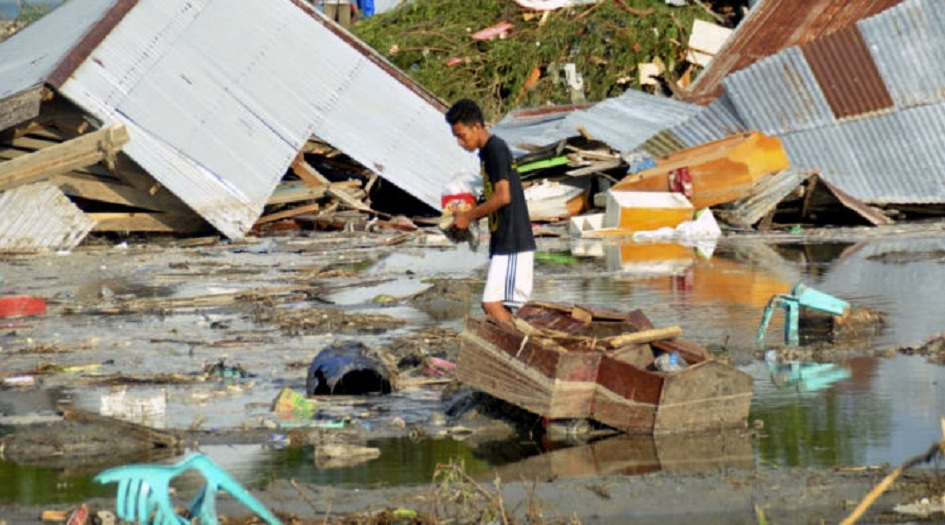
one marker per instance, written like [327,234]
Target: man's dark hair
[464,111]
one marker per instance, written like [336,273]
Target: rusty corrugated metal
[847,75]
[779,94]
[90,41]
[908,46]
[40,217]
[774,25]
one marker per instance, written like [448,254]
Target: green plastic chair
[144,495]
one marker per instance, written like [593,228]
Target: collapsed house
[834,82]
[200,109]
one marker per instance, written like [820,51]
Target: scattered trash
[499,30]
[144,492]
[294,405]
[19,381]
[437,367]
[669,362]
[705,40]
[348,368]
[550,201]
[147,409]
[223,371]
[340,455]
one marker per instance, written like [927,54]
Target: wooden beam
[93,188]
[148,222]
[289,192]
[76,153]
[307,172]
[288,213]
[20,107]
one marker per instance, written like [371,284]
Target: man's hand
[461,221]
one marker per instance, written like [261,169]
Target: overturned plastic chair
[144,493]
[801,296]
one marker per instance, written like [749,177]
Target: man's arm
[501,196]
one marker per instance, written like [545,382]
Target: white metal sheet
[38,217]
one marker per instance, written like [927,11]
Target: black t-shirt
[509,227]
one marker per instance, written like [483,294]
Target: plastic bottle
[671,362]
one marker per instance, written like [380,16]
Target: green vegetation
[605,41]
[30,12]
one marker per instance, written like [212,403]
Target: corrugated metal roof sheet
[624,123]
[908,46]
[713,122]
[779,94]
[876,153]
[846,73]
[219,97]
[40,217]
[892,158]
[773,25]
[533,127]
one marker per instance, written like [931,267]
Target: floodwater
[859,410]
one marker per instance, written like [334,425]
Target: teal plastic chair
[144,493]
[801,296]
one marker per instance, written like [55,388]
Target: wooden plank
[646,336]
[288,213]
[62,158]
[289,192]
[90,187]
[148,222]
[20,107]
[307,172]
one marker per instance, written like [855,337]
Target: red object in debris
[492,32]
[455,61]
[21,305]
[437,367]
[79,516]
[680,181]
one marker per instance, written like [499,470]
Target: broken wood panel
[764,197]
[576,363]
[307,172]
[871,214]
[20,107]
[311,208]
[290,192]
[62,158]
[149,222]
[40,217]
[704,396]
[485,367]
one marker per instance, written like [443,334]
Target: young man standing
[511,243]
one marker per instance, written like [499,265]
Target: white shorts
[510,279]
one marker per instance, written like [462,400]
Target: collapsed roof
[218,97]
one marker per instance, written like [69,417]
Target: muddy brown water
[865,407]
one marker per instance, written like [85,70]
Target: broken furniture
[801,296]
[713,173]
[144,493]
[578,362]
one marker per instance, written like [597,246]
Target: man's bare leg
[499,313]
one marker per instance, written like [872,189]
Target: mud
[217,330]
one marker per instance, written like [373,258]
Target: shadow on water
[858,409]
